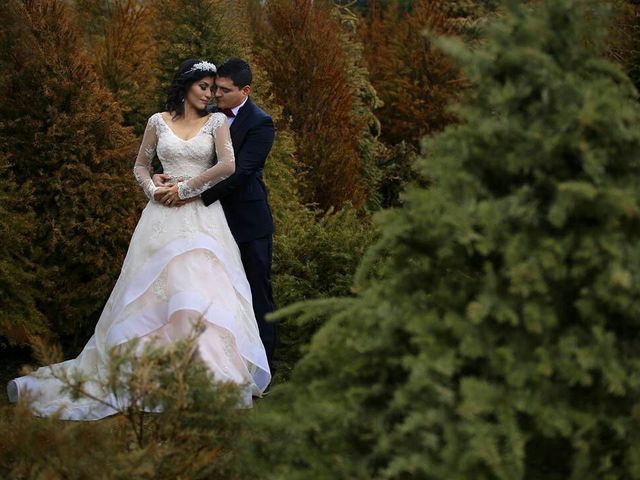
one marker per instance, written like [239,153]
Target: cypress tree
[499,338]
[300,46]
[121,36]
[68,148]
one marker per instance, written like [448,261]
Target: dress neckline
[180,138]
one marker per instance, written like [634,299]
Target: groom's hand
[161,180]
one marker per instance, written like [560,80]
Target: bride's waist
[181,175]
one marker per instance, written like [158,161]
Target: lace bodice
[190,159]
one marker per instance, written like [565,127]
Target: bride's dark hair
[182,81]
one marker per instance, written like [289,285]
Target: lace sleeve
[223,169]
[144,158]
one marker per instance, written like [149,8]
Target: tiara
[203,66]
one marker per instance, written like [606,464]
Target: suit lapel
[243,114]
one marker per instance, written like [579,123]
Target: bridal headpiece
[203,66]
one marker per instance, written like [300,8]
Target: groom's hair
[237,70]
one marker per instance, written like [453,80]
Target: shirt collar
[235,109]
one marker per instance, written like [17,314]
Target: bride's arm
[223,169]
[144,158]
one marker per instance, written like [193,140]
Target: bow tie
[228,112]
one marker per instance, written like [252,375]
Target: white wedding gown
[182,265]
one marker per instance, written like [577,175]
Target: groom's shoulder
[257,111]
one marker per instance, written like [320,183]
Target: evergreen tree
[472,8]
[63,134]
[315,253]
[499,338]
[373,154]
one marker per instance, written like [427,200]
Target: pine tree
[414,80]
[315,253]
[63,133]
[373,154]
[499,338]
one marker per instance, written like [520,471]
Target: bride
[182,265]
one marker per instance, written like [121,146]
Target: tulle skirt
[182,266]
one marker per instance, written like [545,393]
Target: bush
[315,257]
[197,435]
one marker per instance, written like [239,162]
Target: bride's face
[200,93]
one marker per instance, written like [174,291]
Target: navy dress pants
[256,259]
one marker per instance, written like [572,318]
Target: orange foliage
[299,46]
[413,79]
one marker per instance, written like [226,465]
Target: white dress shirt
[235,112]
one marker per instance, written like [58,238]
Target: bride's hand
[169,196]
[159,193]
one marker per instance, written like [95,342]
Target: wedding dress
[182,265]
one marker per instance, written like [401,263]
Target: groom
[244,195]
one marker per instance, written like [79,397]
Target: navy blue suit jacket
[244,194]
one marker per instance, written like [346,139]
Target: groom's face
[229,95]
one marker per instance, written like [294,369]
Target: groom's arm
[251,159]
